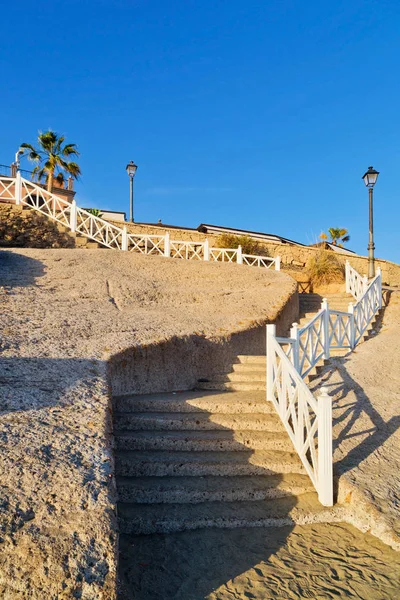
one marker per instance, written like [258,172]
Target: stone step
[151,490]
[191,464]
[210,402]
[234,386]
[255,376]
[248,358]
[166,518]
[196,421]
[215,441]
[252,367]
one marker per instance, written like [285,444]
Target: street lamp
[370,178]
[131,169]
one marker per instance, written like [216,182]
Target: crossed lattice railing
[307,421]
[22,191]
[289,360]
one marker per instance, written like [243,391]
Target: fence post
[206,250]
[379,272]
[167,244]
[18,188]
[294,334]
[347,277]
[72,216]
[352,325]
[325,454]
[277,263]
[325,307]
[239,256]
[124,243]
[271,332]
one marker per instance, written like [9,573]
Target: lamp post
[131,169]
[370,178]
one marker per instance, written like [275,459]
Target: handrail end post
[18,188]
[278,263]
[325,452]
[206,250]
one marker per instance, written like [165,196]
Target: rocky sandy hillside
[63,314]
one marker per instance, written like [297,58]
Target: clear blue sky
[261,115]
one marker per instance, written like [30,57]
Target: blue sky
[261,115]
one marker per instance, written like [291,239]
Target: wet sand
[313,561]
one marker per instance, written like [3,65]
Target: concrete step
[166,518]
[214,440]
[196,421]
[234,386]
[252,367]
[191,464]
[151,490]
[247,358]
[226,402]
[248,375]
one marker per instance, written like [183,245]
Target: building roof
[329,246]
[270,237]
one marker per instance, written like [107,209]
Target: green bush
[249,245]
[324,268]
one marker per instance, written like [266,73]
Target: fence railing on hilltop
[78,220]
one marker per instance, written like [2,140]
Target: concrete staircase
[198,459]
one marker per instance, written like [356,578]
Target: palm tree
[337,235]
[52,155]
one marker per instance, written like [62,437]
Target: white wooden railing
[289,360]
[307,421]
[77,220]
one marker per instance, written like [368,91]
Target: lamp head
[370,177]
[131,169]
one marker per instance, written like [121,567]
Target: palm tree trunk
[50,181]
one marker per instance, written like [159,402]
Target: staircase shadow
[191,564]
[18,270]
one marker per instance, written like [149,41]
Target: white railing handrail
[78,220]
[327,330]
[307,421]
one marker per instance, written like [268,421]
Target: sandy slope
[365,387]
[63,313]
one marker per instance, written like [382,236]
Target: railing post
[325,454]
[379,273]
[347,277]
[124,243]
[72,216]
[167,244]
[206,250]
[277,263]
[239,256]
[294,334]
[18,188]
[271,332]
[325,307]
[352,325]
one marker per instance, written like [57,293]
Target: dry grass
[249,245]
[324,268]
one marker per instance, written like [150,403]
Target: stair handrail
[356,284]
[307,420]
[78,220]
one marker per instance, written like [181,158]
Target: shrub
[324,268]
[96,212]
[249,245]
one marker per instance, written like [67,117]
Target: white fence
[308,421]
[77,220]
